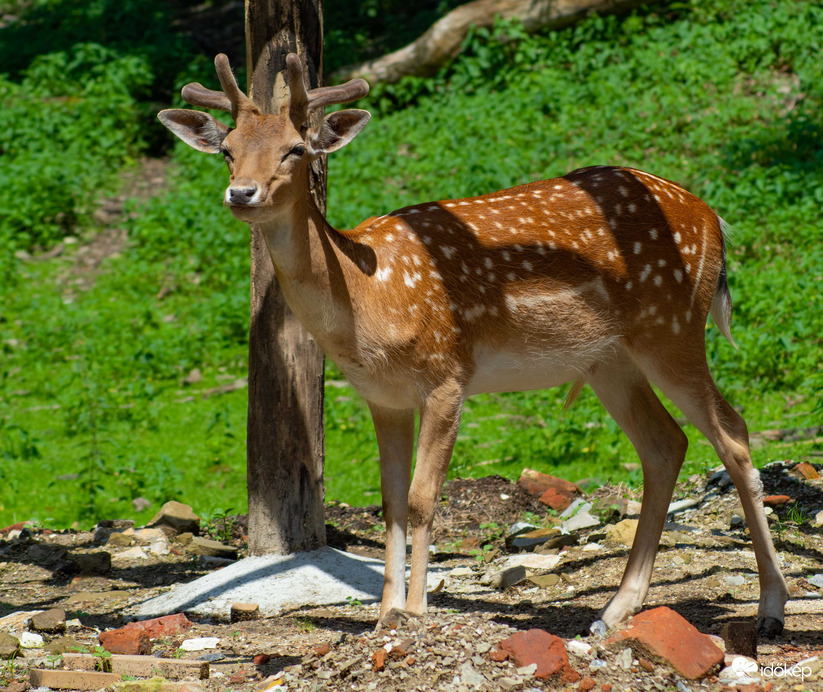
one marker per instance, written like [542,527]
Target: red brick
[805,470]
[261,659]
[19,526]
[536,483]
[126,641]
[586,684]
[166,626]
[378,659]
[661,634]
[556,499]
[321,649]
[776,500]
[540,647]
[498,656]
[606,687]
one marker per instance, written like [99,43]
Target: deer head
[267,154]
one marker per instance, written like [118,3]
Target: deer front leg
[439,422]
[395,440]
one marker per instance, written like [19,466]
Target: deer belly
[509,369]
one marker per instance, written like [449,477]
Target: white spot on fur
[637,248]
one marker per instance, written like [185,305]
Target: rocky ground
[522,585]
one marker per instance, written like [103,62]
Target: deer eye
[297,150]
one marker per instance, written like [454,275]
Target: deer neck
[312,270]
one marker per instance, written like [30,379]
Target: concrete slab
[275,582]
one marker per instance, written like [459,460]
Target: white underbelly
[517,370]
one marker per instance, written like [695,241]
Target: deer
[604,276]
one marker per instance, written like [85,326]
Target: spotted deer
[604,276]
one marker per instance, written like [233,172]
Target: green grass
[723,97]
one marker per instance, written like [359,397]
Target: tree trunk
[442,41]
[285,450]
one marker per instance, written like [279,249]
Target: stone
[17,621]
[816,580]
[120,540]
[805,470]
[149,536]
[529,539]
[208,547]
[818,518]
[184,538]
[46,553]
[158,684]
[241,612]
[165,626]
[734,579]
[505,578]
[116,524]
[662,635]
[126,640]
[558,542]
[533,561]
[624,659]
[586,684]
[611,506]
[177,517]
[633,508]
[378,659]
[461,572]
[536,483]
[469,676]
[680,505]
[200,643]
[740,637]
[135,553]
[9,646]
[63,645]
[98,562]
[71,679]
[51,621]
[581,520]
[776,500]
[579,505]
[545,651]
[622,533]
[579,648]
[31,640]
[545,580]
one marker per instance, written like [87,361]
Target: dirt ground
[705,571]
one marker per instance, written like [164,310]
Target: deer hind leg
[439,422]
[693,390]
[661,446]
[395,440]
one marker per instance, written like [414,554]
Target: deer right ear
[197,129]
[337,130]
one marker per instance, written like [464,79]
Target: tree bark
[285,447]
[442,41]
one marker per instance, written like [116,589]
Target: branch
[442,41]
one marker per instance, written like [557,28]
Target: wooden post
[285,448]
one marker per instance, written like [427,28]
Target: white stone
[533,561]
[581,520]
[680,505]
[200,643]
[136,553]
[461,572]
[592,547]
[578,648]
[17,621]
[816,580]
[31,640]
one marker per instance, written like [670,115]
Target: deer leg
[699,399]
[439,422]
[395,440]
[661,446]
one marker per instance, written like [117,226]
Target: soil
[707,575]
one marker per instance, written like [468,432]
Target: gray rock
[177,517]
[681,505]
[581,520]
[469,676]
[51,621]
[92,563]
[9,646]
[579,505]
[816,580]
[206,546]
[624,659]
[505,578]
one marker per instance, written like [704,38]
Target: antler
[302,100]
[231,99]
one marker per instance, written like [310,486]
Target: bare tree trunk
[442,41]
[285,450]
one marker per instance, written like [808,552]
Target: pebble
[31,640]
[578,648]
[579,505]
[681,505]
[461,572]
[200,643]
[136,553]
[581,520]
[527,670]
[734,580]
[624,659]
[533,561]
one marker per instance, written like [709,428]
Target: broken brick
[126,641]
[776,500]
[536,483]
[166,626]
[378,659]
[663,635]
[538,646]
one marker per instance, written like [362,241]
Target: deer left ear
[338,129]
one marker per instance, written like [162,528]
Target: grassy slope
[725,101]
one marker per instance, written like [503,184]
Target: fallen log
[443,39]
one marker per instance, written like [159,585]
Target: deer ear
[338,129]
[197,129]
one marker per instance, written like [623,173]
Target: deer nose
[242,194]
